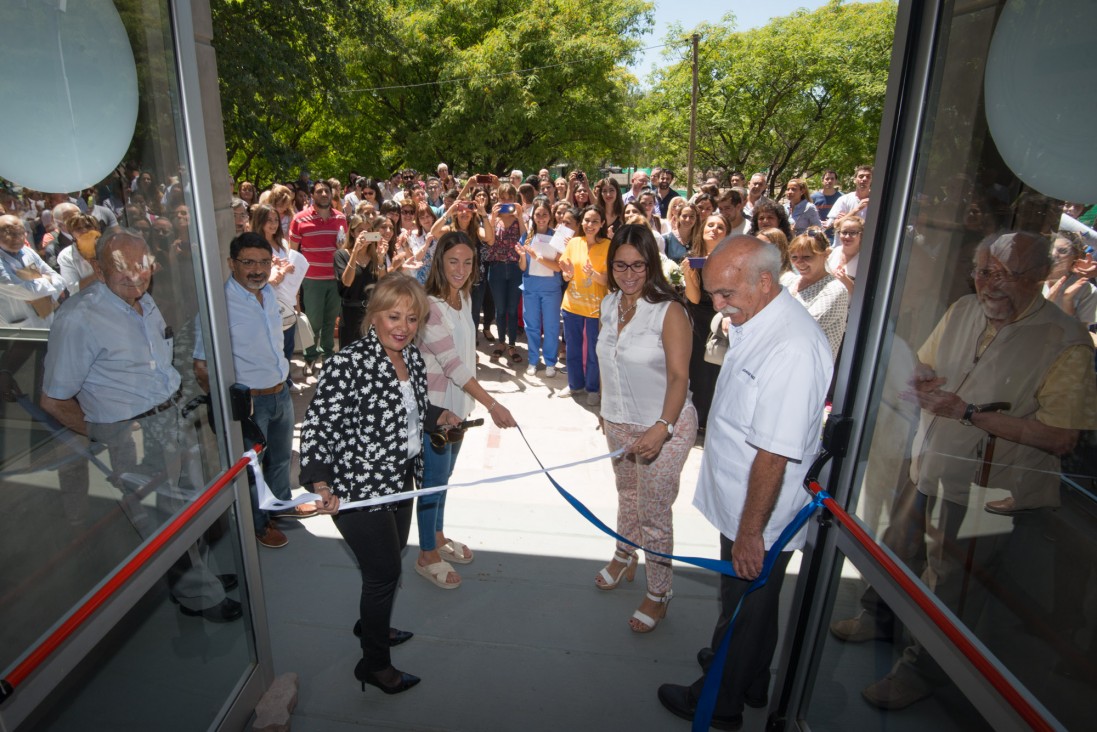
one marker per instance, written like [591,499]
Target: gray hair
[239,203]
[1027,251]
[762,257]
[107,241]
[62,211]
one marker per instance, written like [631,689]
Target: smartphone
[467,206]
[697,262]
[369,236]
[483,179]
[507,208]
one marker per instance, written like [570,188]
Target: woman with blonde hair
[362,438]
[809,282]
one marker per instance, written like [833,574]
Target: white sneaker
[531,369]
[550,371]
[567,393]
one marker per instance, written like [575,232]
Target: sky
[689,13]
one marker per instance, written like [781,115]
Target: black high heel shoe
[406,680]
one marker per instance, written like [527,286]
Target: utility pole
[692,121]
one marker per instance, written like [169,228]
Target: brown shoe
[896,691]
[859,629]
[271,537]
[303,511]
[1004,507]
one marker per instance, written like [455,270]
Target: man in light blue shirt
[109,369]
[255,330]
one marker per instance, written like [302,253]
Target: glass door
[972,385]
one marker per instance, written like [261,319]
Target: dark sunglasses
[454,434]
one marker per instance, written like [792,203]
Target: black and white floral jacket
[355,432]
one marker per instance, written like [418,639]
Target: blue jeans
[541,309]
[430,510]
[273,413]
[575,328]
[504,279]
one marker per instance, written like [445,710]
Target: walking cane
[981,481]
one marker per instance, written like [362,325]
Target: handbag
[304,337]
[289,315]
[716,347]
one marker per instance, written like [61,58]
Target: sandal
[648,623]
[436,574]
[628,571]
[496,352]
[455,551]
[514,355]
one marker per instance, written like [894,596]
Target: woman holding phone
[357,270]
[702,374]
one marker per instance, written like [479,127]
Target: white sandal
[628,571]
[436,574]
[646,620]
[455,551]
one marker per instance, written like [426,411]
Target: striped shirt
[448,345]
[317,238]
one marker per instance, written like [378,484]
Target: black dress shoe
[226,612]
[704,660]
[367,677]
[228,581]
[396,636]
[676,700]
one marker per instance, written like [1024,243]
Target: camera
[483,179]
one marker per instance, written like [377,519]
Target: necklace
[623,312]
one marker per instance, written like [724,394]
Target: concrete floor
[527,641]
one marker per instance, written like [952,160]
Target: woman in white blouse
[644,339]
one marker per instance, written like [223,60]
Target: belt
[268,392]
[161,407]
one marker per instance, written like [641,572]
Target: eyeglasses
[254,262]
[995,276]
[638,267]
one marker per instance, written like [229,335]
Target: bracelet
[492,406]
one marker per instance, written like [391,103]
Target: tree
[804,93]
[277,64]
[484,85]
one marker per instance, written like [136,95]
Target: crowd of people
[670,317]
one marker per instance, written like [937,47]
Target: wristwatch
[669,426]
[973,409]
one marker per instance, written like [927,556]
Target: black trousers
[753,640]
[376,538]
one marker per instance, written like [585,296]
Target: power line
[486,76]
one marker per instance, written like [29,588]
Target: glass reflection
[104,434]
[158,669]
[980,469]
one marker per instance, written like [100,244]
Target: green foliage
[278,63]
[375,86]
[801,94]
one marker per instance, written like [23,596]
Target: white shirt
[769,396]
[73,268]
[633,363]
[843,206]
[286,290]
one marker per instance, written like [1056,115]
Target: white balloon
[1039,105]
[70,92]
